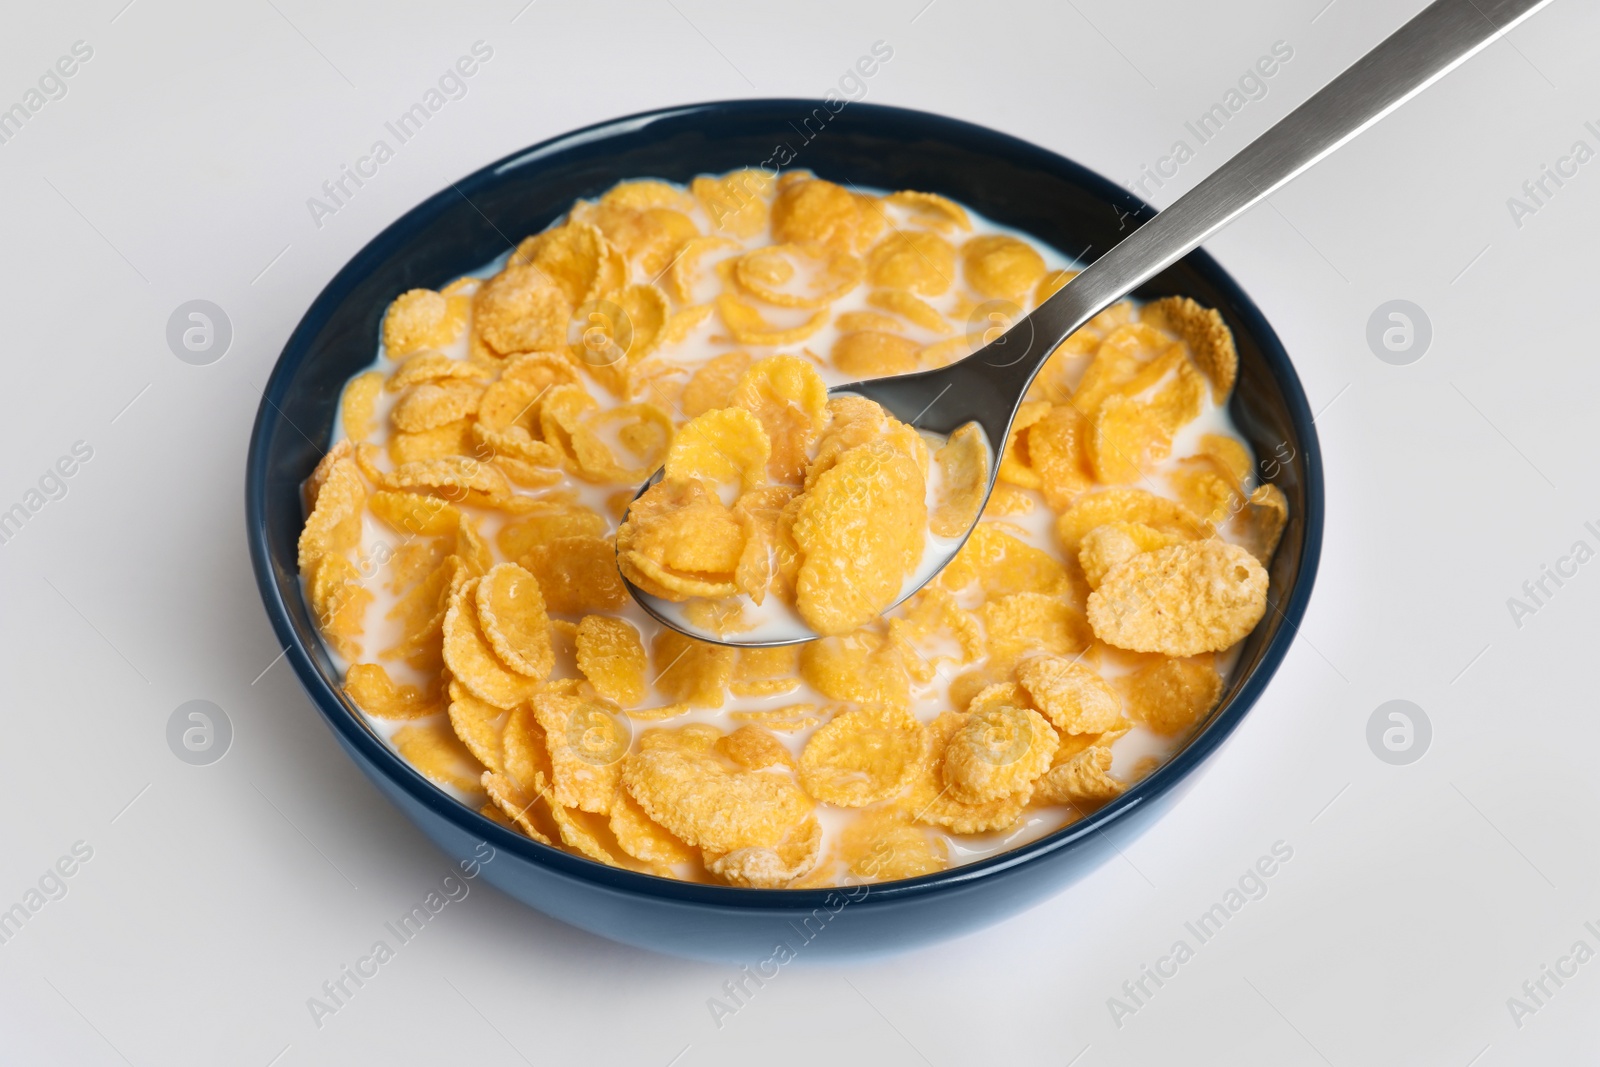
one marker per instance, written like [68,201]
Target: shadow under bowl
[1012,182]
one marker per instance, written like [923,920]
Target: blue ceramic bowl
[1013,182]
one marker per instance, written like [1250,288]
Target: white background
[1418,899]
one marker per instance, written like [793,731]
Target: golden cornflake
[766,671]
[1208,337]
[883,845]
[721,446]
[750,327]
[642,837]
[1173,695]
[334,525]
[339,603]
[862,756]
[1126,505]
[1001,267]
[963,477]
[902,303]
[930,800]
[681,782]
[432,404]
[753,748]
[1105,546]
[521,310]
[359,404]
[544,523]
[932,209]
[812,211]
[1198,596]
[996,752]
[611,655]
[860,667]
[859,534]
[1126,439]
[712,385]
[586,742]
[1262,521]
[771,867]
[1082,781]
[415,514]
[1002,564]
[694,672]
[479,725]
[1075,697]
[511,612]
[375,693]
[472,660]
[791,276]
[432,748]
[870,354]
[914,260]
[577,574]
[421,318]
[1033,622]
[736,203]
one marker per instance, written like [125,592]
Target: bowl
[1009,180]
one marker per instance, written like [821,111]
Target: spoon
[988,386]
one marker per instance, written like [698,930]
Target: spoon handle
[1444,35]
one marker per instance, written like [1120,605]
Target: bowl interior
[1013,182]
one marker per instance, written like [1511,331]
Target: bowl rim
[357,736]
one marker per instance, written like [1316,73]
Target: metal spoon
[988,386]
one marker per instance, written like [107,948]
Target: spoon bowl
[777,623]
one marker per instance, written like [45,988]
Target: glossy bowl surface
[1011,181]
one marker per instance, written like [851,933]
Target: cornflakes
[1208,337]
[771,867]
[930,800]
[521,310]
[754,749]
[725,445]
[643,838]
[902,303]
[359,404]
[499,443]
